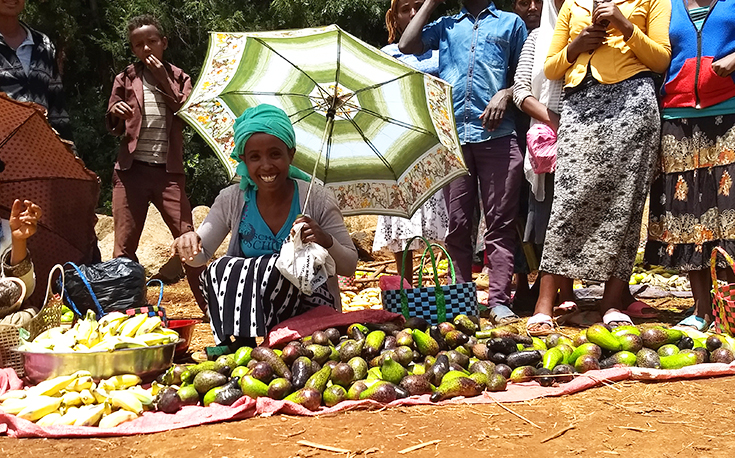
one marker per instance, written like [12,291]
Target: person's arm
[175,88]
[652,49]
[724,66]
[117,109]
[210,234]
[524,71]
[330,219]
[563,52]
[411,41]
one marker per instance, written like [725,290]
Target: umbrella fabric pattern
[41,167]
[376,132]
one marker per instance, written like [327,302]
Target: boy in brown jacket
[150,165]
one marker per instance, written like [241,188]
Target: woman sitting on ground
[18,278]
[246,294]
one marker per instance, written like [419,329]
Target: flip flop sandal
[640,309]
[695,322]
[565,308]
[615,317]
[501,315]
[540,325]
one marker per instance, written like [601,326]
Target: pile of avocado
[386,361]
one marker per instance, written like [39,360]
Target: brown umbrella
[41,167]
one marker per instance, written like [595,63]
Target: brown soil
[635,419]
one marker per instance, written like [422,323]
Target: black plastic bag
[115,285]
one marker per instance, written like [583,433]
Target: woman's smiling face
[267,158]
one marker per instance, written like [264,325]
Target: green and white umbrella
[378,133]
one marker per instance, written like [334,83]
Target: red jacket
[128,87]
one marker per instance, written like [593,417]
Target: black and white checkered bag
[433,303]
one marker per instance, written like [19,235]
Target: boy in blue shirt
[478,53]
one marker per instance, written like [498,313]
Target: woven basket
[47,318]
[723,304]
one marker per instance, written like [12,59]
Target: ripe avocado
[667,350]
[522,374]
[206,380]
[563,373]
[359,366]
[334,395]
[586,363]
[496,382]
[279,388]
[416,384]
[648,358]
[631,342]
[654,338]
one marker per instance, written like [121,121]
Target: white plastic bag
[306,265]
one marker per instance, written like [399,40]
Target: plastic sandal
[539,325]
[565,308]
[640,309]
[501,314]
[695,322]
[615,317]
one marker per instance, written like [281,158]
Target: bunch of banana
[660,277]
[113,331]
[367,298]
[76,400]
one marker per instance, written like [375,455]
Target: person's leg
[701,287]
[566,289]
[130,198]
[461,199]
[175,210]
[542,323]
[612,302]
[500,171]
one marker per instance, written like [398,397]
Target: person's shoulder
[40,39]
[230,191]
[175,70]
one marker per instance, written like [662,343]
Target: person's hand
[495,110]
[24,218]
[607,14]
[156,67]
[553,120]
[187,246]
[724,66]
[589,39]
[312,232]
[122,110]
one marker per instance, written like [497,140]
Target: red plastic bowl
[185,328]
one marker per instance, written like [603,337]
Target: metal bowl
[146,362]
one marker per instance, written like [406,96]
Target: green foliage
[92,46]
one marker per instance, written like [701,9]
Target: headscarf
[266,119]
[391,22]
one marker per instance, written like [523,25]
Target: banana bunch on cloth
[76,400]
[113,331]
[368,298]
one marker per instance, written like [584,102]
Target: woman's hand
[24,218]
[589,39]
[553,120]
[187,246]
[311,232]
[608,11]
[724,66]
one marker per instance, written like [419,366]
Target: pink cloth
[320,318]
[389,282]
[541,141]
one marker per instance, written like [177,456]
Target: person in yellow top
[608,54]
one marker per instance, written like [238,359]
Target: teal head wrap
[266,119]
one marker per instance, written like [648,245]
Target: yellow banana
[149,325]
[123,381]
[51,386]
[82,383]
[49,334]
[14,406]
[39,406]
[87,397]
[116,418]
[112,317]
[80,347]
[13,394]
[71,399]
[130,326]
[99,394]
[130,342]
[144,396]
[126,400]
[49,419]
[153,338]
[89,415]
[70,415]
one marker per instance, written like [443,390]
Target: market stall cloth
[379,134]
[41,167]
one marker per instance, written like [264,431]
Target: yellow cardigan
[647,49]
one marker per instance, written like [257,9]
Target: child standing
[150,165]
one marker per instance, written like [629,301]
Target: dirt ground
[632,419]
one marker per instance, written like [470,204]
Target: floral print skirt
[692,207]
[431,220]
[606,152]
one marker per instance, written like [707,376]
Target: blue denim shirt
[478,57]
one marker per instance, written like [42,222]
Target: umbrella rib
[374,86]
[392,120]
[259,40]
[370,144]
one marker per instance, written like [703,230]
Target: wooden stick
[379,263]
[418,446]
[641,430]
[485,393]
[322,447]
[377,272]
[558,433]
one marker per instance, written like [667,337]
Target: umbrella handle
[327,134]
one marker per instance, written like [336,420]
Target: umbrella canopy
[378,133]
[41,167]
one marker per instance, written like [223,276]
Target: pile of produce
[76,400]
[368,298]
[113,331]
[384,362]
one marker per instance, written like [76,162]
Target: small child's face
[147,41]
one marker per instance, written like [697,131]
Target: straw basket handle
[713,264]
[49,294]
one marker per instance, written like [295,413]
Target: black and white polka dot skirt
[246,297]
